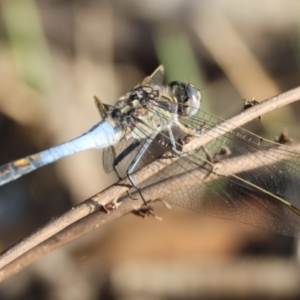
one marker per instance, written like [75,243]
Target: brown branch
[77,229]
[17,256]
[99,218]
[225,168]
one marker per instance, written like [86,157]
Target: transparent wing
[108,158]
[158,147]
[225,198]
[156,78]
[256,180]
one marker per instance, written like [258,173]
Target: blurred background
[55,56]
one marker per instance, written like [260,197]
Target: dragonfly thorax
[142,113]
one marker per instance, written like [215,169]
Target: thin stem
[99,218]
[62,224]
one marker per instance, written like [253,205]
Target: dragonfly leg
[176,146]
[134,164]
[216,157]
[190,130]
[212,160]
[123,154]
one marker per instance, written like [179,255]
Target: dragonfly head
[188,98]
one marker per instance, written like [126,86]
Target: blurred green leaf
[176,54]
[25,32]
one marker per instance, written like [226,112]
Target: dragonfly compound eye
[194,100]
[188,98]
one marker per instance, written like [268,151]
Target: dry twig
[86,216]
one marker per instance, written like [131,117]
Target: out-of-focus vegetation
[56,55]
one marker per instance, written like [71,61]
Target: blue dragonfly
[153,119]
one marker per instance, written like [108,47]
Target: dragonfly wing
[111,154]
[247,206]
[114,154]
[189,185]
[156,78]
[253,182]
[108,158]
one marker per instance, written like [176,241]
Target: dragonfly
[154,119]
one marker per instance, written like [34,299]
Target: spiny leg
[121,156]
[145,147]
[134,164]
[142,152]
[189,132]
[177,146]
